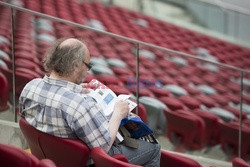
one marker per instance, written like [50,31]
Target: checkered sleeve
[91,125]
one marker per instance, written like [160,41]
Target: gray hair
[64,59]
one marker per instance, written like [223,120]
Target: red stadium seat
[117,89]
[159,92]
[236,112]
[141,112]
[108,79]
[212,126]
[229,136]
[239,162]
[102,159]
[172,103]
[190,102]
[16,157]
[205,100]
[176,160]
[64,152]
[185,130]
[4,93]
[192,91]
[23,76]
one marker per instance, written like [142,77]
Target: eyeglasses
[89,66]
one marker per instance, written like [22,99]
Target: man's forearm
[114,124]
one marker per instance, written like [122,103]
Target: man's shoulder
[35,81]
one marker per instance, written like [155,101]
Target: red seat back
[13,156]
[142,113]
[175,160]
[23,76]
[188,127]
[64,152]
[238,162]
[229,137]
[167,159]
[4,93]
[102,159]
[212,126]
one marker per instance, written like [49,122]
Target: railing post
[137,77]
[13,62]
[240,121]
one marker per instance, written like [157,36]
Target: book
[106,98]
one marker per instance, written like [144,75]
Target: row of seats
[13,156]
[73,152]
[179,83]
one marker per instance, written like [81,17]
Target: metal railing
[136,42]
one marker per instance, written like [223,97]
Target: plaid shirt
[61,109]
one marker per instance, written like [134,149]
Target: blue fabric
[142,128]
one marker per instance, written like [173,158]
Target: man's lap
[140,155]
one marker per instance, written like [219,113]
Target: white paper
[106,98]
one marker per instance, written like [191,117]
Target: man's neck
[56,76]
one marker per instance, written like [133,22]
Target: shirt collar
[72,86]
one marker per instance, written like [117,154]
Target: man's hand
[85,87]
[121,109]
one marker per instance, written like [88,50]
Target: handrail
[123,37]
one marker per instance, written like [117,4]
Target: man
[58,105]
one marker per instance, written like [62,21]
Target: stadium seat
[64,152]
[100,69]
[229,138]
[190,102]
[205,100]
[175,89]
[23,76]
[155,115]
[159,92]
[16,157]
[239,162]
[236,112]
[185,130]
[246,122]
[220,99]
[225,115]
[176,160]
[142,113]
[117,89]
[4,93]
[212,126]
[122,71]
[143,91]
[102,159]
[116,63]
[172,103]
[25,63]
[108,79]
[192,91]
